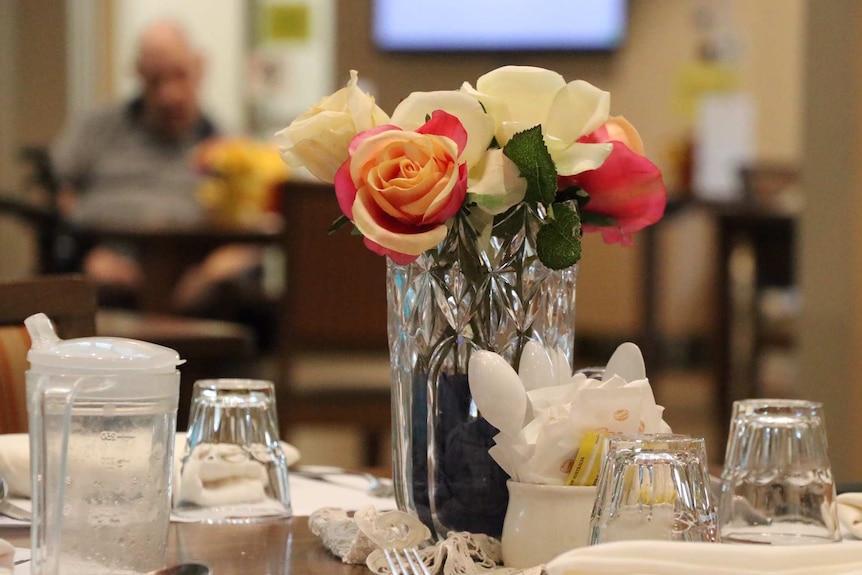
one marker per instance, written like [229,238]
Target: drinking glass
[654,486]
[777,485]
[233,468]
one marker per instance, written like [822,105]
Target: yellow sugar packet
[588,460]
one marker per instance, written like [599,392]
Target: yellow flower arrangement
[241,178]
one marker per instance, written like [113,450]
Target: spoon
[626,362]
[536,368]
[497,391]
[183,569]
[10,509]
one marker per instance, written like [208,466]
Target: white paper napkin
[545,413]
[684,558]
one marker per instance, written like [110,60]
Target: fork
[405,562]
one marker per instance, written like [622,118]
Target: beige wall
[642,78]
[831,254]
[32,104]
[41,108]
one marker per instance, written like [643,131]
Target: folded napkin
[684,558]
[850,513]
[221,474]
[15,461]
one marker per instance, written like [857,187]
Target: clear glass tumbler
[777,485]
[233,468]
[654,486]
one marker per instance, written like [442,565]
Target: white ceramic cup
[543,521]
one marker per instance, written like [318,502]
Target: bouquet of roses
[522,134]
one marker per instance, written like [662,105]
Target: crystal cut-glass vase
[472,292]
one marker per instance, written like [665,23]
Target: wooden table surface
[268,548]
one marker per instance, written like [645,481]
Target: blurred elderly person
[131,163]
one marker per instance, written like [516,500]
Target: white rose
[318,139]
[416,108]
[495,185]
[521,97]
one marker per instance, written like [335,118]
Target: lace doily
[340,534]
[361,539]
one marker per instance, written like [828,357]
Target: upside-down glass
[233,468]
[777,485]
[654,486]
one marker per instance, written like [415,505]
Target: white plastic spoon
[535,369]
[627,362]
[497,391]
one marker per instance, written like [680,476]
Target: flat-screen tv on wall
[498,25]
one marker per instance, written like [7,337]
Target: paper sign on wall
[724,143]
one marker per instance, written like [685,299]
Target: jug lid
[95,353]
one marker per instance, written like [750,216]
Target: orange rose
[400,187]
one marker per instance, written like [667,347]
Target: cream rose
[521,97]
[318,139]
[399,188]
[414,110]
[495,184]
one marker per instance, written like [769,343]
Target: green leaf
[527,150]
[339,222]
[558,241]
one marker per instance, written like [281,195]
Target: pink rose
[400,187]
[627,186]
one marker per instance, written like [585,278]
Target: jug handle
[41,330]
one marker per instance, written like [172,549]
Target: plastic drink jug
[102,414]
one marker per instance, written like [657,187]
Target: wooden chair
[333,346]
[70,302]
[58,250]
